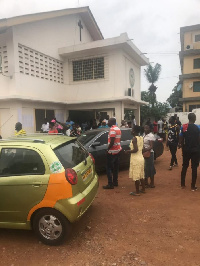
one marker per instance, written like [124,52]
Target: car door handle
[37,184]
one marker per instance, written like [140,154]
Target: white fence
[183,116]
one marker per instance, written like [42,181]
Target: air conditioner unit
[189,47]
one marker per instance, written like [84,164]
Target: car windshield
[70,154]
[87,137]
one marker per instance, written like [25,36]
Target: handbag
[146,154]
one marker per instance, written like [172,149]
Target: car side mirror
[96,144]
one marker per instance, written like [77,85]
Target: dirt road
[159,228]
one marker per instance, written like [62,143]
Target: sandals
[134,194]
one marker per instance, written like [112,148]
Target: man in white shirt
[160,127]
[45,126]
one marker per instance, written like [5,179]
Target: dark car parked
[95,141]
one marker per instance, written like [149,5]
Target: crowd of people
[142,169]
[70,128]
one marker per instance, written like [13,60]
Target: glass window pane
[103,139]
[20,162]
[70,154]
[126,135]
[196,86]
[196,63]
[197,38]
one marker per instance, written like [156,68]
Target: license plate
[89,171]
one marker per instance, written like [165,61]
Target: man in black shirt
[172,141]
[189,140]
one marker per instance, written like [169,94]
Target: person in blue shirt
[69,123]
[103,124]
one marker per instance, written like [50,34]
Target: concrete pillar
[119,112]
[137,114]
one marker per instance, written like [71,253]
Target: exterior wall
[48,35]
[188,64]
[188,68]
[12,112]
[183,116]
[188,103]
[35,88]
[188,90]
[129,63]
[94,89]
[189,39]
[115,84]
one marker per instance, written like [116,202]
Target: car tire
[51,226]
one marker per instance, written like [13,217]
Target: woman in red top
[155,126]
[52,128]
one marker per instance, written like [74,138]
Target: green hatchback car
[46,183]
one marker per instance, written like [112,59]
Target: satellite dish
[179,87]
[190,85]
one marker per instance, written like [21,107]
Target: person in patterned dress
[136,170]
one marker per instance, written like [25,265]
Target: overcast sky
[154,26]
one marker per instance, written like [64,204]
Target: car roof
[37,139]
[105,129]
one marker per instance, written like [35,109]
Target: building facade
[190,67]
[56,64]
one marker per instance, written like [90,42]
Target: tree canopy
[173,99]
[157,111]
[152,75]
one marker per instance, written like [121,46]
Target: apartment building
[190,67]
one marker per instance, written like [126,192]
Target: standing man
[113,152]
[133,123]
[189,140]
[172,141]
[160,128]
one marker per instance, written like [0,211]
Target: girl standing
[149,168]
[136,170]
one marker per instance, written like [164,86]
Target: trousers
[112,168]
[173,150]
[194,157]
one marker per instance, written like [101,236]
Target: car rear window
[126,135]
[70,154]
[87,137]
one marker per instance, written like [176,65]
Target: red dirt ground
[159,228]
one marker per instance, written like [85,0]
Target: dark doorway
[40,115]
[81,116]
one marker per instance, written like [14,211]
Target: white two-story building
[56,64]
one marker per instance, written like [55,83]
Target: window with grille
[88,69]
[36,64]
[4,59]
[197,38]
[196,86]
[196,63]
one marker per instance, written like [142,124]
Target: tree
[173,99]
[157,111]
[152,75]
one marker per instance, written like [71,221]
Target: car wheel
[51,226]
